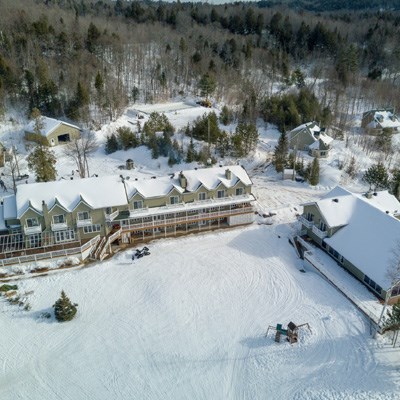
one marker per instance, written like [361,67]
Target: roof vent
[153,177]
[136,179]
[387,212]
[72,178]
[335,200]
[368,195]
[195,168]
[375,194]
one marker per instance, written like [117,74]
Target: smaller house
[360,231]
[375,121]
[311,138]
[53,130]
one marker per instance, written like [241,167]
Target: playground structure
[291,333]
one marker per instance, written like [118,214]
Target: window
[202,195]
[59,219]
[322,226]
[372,284]
[35,240]
[221,194]
[137,205]
[83,215]
[309,217]
[108,210]
[396,291]
[30,222]
[174,200]
[239,191]
[322,153]
[64,236]
[92,228]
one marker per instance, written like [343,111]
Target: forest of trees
[87,59]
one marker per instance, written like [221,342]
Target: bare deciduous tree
[79,150]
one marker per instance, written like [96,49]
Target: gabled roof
[98,193]
[209,178]
[49,125]
[311,127]
[368,235]
[383,119]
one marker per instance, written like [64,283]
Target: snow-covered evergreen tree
[64,310]
[377,177]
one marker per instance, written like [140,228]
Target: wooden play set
[291,333]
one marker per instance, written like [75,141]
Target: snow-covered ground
[189,320]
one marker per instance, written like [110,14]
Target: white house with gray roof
[360,231]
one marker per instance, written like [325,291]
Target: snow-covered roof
[49,125]
[383,200]
[325,139]
[98,193]
[2,220]
[368,235]
[384,119]
[210,178]
[10,208]
[312,127]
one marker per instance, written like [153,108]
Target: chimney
[368,195]
[182,180]
[228,174]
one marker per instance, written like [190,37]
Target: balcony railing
[59,226]
[187,219]
[319,233]
[191,205]
[112,216]
[29,230]
[84,222]
[308,224]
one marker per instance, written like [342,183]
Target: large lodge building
[86,215]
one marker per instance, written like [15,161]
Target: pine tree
[42,161]
[64,310]
[191,153]
[377,177]
[281,153]
[351,170]
[392,321]
[314,172]
[111,144]
[207,85]
[395,183]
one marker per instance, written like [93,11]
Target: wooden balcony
[59,226]
[157,223]
[30,230]
[308,224]
[84,222]
[319,233]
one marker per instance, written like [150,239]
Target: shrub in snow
[64,310]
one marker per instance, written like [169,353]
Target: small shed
[55,131]
[130,164]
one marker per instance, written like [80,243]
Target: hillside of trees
[86,60]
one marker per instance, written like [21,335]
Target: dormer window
[59,219]
[84,215]
[174,200]
[31,222]
[137,205]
